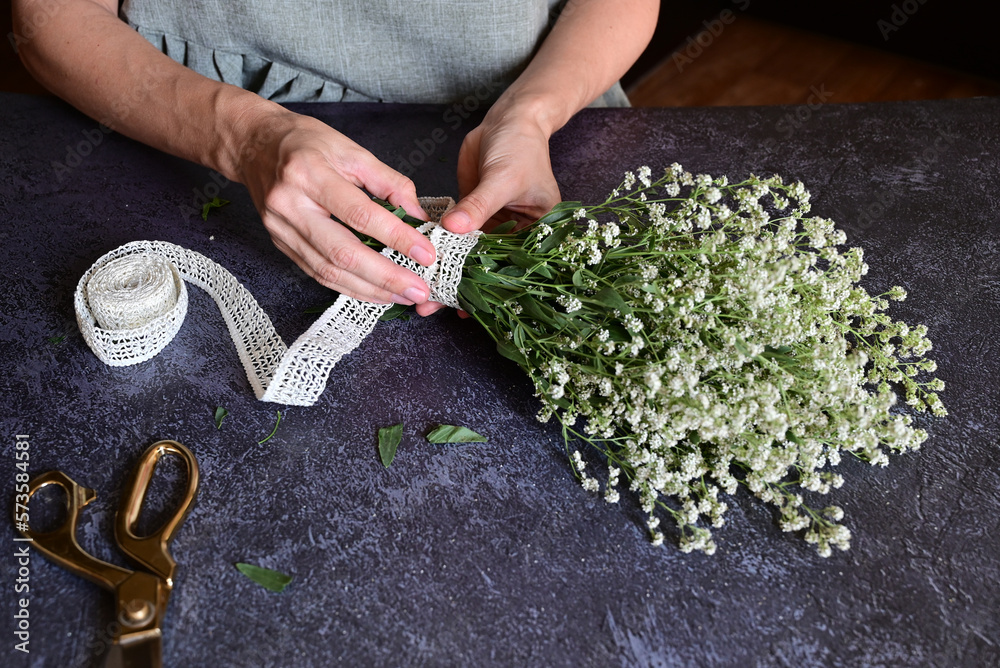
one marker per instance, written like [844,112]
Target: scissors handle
[60,544]
[153,551]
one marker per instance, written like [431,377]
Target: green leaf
[399,212]
[473,296]
[273,431]
[578,278]
[56,340]
[617,333]
[502,294]
[518,336]
[558,235]
[504,228]
[265,577]
[563,211]
[393,312]
[477,275]
[220,414]
[388,441]
[627,279]
[449,433]
[216,203]
[511,353]
[544,270]
[610,298]
[521,259]
[488,262]
[464,305]
[535,309]
[515,272]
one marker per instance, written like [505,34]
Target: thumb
[473,210]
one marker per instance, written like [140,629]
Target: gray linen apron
[353,50]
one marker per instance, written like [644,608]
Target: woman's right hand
[299,171]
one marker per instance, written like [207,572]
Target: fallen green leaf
[273,431]
[220,414]
[216,203]
[265,577]
[388,441]
[449,433]
[56,340]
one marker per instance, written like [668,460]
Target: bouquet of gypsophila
[703,335]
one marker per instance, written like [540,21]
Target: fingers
[502,169]
[312,172]
[333,256]
[348,203]
[429,308]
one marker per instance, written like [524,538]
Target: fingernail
[401,300]
[416,295]
[460,219]
[421,255]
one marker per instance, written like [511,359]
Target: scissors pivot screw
[136,613]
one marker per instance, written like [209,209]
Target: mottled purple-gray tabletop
[492,554]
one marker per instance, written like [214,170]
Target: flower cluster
[704,335]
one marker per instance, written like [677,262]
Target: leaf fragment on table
[220,414]
[273,431]
[216,203]
[265,577]
[449,433]
[56,340]
[388,441]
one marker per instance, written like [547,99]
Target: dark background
[959,34]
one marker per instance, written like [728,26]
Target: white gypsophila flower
[738,368]
[569,302]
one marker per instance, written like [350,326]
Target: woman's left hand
[504,173]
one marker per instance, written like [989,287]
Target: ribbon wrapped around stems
[130,304]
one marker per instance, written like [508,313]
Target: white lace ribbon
[131,303]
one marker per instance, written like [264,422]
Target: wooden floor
[755,62]
[748,62]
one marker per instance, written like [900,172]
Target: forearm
[592,44]
[85,54]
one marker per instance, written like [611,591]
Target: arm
[297,169]
[504,163]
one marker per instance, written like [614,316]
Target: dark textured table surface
[491,554]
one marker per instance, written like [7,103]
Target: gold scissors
[142,597]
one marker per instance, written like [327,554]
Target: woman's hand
[504,173]
[299,171]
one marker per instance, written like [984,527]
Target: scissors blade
[146,653]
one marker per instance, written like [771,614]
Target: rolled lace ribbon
[130,304]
